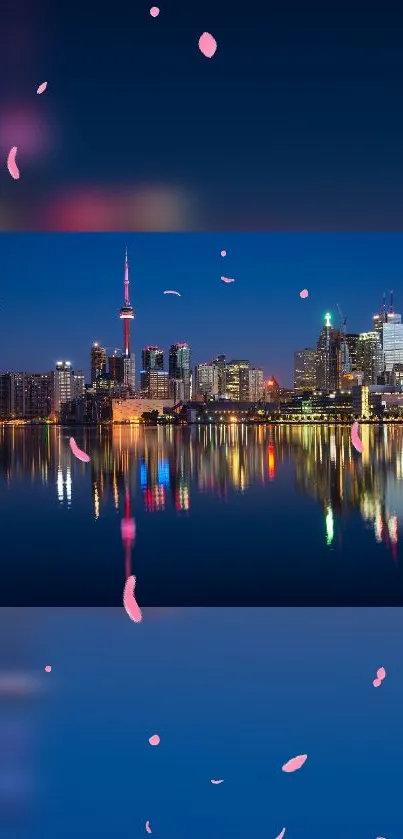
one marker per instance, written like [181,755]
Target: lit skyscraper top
[126,313]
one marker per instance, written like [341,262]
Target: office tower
[37,396]
[206,380]
[98,361]
[255,384]
[180,380]
[352,342]
[62,385]
[78,385]
[237,380]
[152,358]
[116,367]
[392,341]
[220,363]
[369,356]
[6,398]
[155,384]
[127,314]
[305,370]
[379,320]
[328,357]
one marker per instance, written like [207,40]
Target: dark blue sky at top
[295,123]
[59,292]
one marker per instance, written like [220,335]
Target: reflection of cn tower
[128,531]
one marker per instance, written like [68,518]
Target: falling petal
[154,740]
[129,601]
[42,87]
[295,763]
[381,674]
[217,782]
[207,44]
[48,668]
[11,164]
[173,292]
[148,828]
[280,835]
[154,12]
[78,453]
[304,293]
[376,683]
[357,443]
[223,253]
[227,280]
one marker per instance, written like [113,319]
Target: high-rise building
[127,314]
[379,320]
[25,395]
[237,380]
[116,367]
[152,358]
[351,341]
[206,380]
[369,356]
[78,385]
[180,379]
[328,358]
[392,341]
[220,363]
[255,384]
[62,385]
[98,361]
[154,384]
[305,370]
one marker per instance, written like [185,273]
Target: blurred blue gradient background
[233,694]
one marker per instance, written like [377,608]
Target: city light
[328,319]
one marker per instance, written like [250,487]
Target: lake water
[231,515]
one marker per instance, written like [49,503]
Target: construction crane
[343,320]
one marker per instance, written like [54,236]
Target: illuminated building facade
[116,367]
[126,314]
[206,384]
[305,369]
[369,356]
[220,364]
[98,361]
[180,378]
[392,341]
[154,384]
[255,384]
[328,358]
[62,385]
[25,395]
[237,380]
[152,358]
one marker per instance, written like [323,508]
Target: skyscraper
[152,358]
[127,314]
[179,372]
[237,375]
[305,370]
[220,363]
[392,341]
[206,380]
[255,384]
[328,357]
[62,385]
[98,361]
[369,356]
[116,367]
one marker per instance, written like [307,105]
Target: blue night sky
[60,292]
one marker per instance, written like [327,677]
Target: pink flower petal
[304,293]
[376,683]
[217,782]
[381,674]
[78,453]
[223,253]
[154,12]
[11,164]
[357,443]
[148,828]
[42,87]
[227,280]
[207,44]
[154,740]
[295,763]
[129,601]
[48,668]
[280,835]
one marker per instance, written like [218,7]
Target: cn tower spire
[126,313]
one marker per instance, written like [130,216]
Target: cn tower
[127,314]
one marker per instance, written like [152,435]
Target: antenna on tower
[391,302]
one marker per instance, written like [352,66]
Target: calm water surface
[224,515]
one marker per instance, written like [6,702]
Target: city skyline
[75,289]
